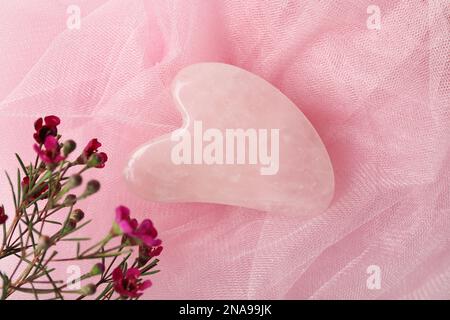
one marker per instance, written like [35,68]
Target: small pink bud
[77,215]
[98,268]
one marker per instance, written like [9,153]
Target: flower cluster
[144,235]
[52,152]
[44,190]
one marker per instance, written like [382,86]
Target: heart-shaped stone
[242,143]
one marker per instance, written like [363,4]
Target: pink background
[378,98]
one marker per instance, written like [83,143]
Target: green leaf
[34,291]
[47,174]
[150,272]
[4,234]
[107,289]
[12,189]
[5,286]
[75,239]
[150,265]
[20,237]
[19,187]
[53,222]
[22,165]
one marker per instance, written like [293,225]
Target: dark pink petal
[3,216]
[58,158]
[52,121]
[38,124]
[145,285]
[103,157]
[122,213]
[119,289]
[51,143]
[149,241]
[157,251]
[133,294]
[146,226]
[92,147]
[117,274]
[125,227]
[134,223]
[133,273]
[25,181]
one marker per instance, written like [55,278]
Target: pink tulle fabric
[378,98]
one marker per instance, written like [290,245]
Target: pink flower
[45,127]
[51,154]
[146,253]
[3,216]
[102,157]
[144,232]
[91,149]
[152,251]
[129,285]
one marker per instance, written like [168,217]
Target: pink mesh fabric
[378,98]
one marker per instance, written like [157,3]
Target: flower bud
[98,268]
[70,200]
[76,215]
[69,226]
[93,161]
[25,182]
[68,147]
[92,187]
[74,181]
[115,230]
[44,243]
[88,289]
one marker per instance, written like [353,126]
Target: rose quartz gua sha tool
[242,143]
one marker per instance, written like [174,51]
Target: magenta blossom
[102,158]
[91,149]
[129,285]
[143,233]
[51,154]
[46,127]
[146,253]
[150,252]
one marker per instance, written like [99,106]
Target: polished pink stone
[222,97]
